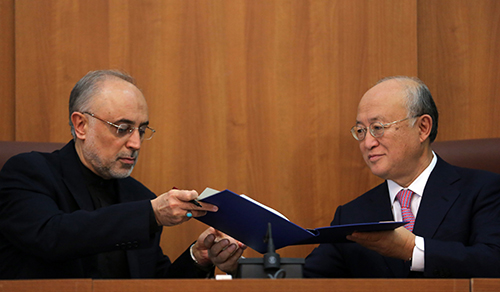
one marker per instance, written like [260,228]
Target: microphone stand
[271,265]
[272,260]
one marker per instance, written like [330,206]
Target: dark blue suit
[459,218]
[48,226]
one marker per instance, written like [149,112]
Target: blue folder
[247,221]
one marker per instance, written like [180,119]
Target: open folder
[246,220]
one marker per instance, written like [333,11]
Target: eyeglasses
[376,129]
[122,130]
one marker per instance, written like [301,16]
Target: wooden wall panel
[256,96]
[7,70]
[57,42]
[459,57]
[259,96]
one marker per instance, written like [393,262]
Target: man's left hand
[215,247]
[398,243]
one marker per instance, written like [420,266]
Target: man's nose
[370,141]
[135,140]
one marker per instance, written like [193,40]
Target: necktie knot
[404,198]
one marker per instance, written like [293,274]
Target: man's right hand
[398,243]
[172,208]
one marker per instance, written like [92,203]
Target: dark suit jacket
[48,226]
[459,218]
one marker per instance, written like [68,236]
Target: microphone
[272,259]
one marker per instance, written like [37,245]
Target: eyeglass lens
[125,129]
[376,129]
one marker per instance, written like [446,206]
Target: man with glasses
[76,213]
[453,213]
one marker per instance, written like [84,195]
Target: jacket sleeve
[467,242]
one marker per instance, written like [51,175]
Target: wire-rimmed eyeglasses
[122,130]
[376,129]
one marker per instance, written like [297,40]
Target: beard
[109,169]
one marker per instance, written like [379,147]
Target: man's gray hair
[419,101]
[87,87]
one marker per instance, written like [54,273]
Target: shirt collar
[418,185]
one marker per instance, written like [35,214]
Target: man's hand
[398,243]
[215,247]
[171,208]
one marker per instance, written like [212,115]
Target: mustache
[133,154]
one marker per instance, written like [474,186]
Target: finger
[185,201]
[239,252]
[197,213]
[183,215]
[188,202]
[195,205]
[184,195]
[354,235]
[372,235]
[209,241]
[227,260]
[226,253]
[218,247]
[221,235]
[360,237]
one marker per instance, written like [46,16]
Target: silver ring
[189,214]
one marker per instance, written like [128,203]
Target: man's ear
[424,123]
[80,123]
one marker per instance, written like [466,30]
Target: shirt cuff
[192,255]
[418,258]
[208,268]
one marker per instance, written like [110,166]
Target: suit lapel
[379,207]
[439,195]
[73,177]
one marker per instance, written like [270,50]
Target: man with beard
[76,213]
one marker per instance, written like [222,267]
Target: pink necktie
[404,198]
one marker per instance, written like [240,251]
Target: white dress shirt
[418,260]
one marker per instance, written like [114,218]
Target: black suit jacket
[48,226]
[459,218]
